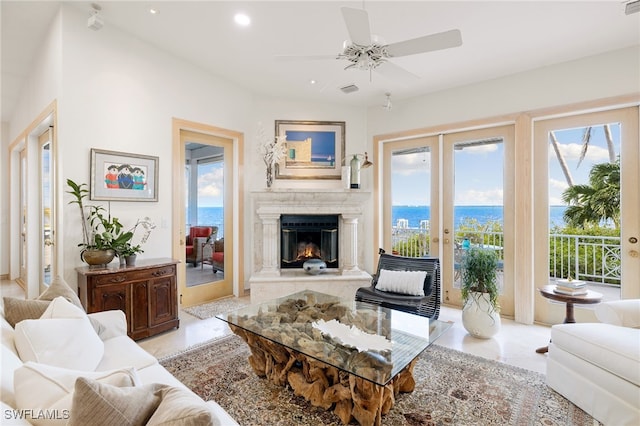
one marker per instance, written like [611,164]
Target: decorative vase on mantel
[269,175]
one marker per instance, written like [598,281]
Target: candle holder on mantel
[356,164]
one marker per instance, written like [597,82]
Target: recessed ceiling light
[154,11]
[312,81]
[242,19]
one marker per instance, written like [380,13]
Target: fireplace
[305,237]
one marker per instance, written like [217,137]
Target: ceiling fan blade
[395,72]
[438,41]
[293,58]
[357,22]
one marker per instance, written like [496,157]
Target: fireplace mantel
[268,280]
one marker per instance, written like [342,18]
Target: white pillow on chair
[403,282]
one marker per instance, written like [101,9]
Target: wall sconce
[356,164]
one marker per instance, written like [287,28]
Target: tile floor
[514,345]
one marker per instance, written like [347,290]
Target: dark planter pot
[130,260]
[95,257]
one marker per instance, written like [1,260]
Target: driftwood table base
[323,385]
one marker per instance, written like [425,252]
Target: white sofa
[597,365]
[119,353]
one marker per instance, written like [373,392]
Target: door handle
[48,242]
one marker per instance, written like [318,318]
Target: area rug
[211,309]
[453,388]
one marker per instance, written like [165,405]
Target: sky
[479,170]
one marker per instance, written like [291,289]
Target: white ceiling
[499,38]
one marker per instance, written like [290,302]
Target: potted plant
[103,236]
[128,253]
[481,311]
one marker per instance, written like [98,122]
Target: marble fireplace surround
[268,280]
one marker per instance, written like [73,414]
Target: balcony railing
[590,258]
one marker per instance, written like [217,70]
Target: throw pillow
[61,342]
[59,287]
[403,282]
[99,404]
[41,388]
[181,407]
[16,310]
[62,308]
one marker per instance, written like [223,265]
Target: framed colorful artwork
[120,176]
[314,149]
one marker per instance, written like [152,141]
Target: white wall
[606,75]
[121,94]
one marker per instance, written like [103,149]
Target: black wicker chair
[427,306]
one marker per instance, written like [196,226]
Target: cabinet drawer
[145,274]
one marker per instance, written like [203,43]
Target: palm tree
[596,202]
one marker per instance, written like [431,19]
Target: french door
[439,190]
[587,166]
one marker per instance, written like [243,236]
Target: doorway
[586,205]
[439,190]
[33,256]
[206,224]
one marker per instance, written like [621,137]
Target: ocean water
[415,214]
[212,216]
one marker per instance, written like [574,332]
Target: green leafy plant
[479,274]
[129,250]
[102,231]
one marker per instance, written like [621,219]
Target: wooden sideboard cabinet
[147,293]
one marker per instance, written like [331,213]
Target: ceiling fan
[367,52]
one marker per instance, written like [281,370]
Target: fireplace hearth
[305,237]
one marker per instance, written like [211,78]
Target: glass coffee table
[352,357]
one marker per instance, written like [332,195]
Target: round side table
[590,298]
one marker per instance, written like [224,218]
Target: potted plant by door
[481,311]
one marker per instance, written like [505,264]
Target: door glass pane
[204,174]
[411,201]
[478,200]
[46,203]
[584,206]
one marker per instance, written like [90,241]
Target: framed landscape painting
[119,176]
[314,149]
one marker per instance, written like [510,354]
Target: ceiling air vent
[632,7]
[349,89]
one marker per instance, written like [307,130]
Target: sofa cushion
[16,310]
[121,351]
[61,342]
[180,406]
[609,347]
[10,363]
[403,282]
[55,386]
[11,416]
[625,313]
[101,404]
